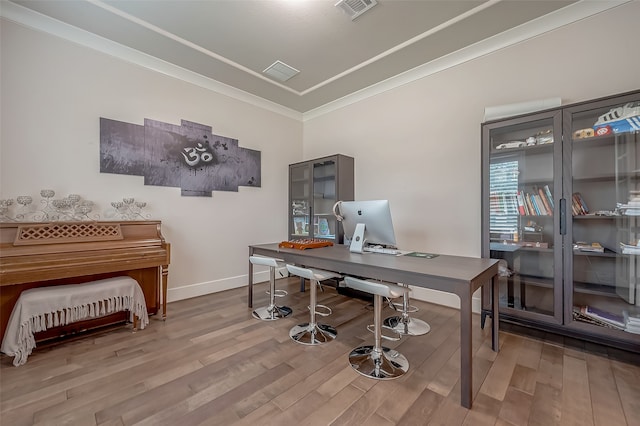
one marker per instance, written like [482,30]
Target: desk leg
[495,319]
[466,363]
[250,280]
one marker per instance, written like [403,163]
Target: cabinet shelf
[606,253]
[533,149]
[324,178]
[534,181]
[595,217]
[510,248]
[535,280]
[593,141]
[599,289]
[579,287]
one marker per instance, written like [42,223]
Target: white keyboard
[381,250]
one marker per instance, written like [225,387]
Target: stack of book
[590,247]
[633,323]
[630,248]
[632,208]
[599,317]
[578,205]
[536,203]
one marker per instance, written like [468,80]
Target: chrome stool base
[272,311]
[317,334]
[410,326]
[386,365]
[272,314]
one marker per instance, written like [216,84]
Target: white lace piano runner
[38,309]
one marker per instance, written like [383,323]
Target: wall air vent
[280,71]
[355,8]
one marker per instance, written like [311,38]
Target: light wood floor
[212,363]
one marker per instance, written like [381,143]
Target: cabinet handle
[563,216]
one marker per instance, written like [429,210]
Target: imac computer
[367,224]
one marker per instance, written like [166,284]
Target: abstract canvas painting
[188,156]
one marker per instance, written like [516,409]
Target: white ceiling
[233,41]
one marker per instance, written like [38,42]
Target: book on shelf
[530,210]
[535,203]
[594,247]
[520,199]
[541,207]
[601,317]
[547,206]
[630,248]
[547,191]
[536,206]
[578,205]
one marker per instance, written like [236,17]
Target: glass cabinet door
[603,199]
[324,197]
[313,194]
[300,196]
[521,214]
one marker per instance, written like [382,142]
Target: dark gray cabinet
[561,208]
[314,187]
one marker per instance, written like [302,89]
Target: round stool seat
[312,274]
[312,333]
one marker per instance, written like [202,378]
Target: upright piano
[38,254]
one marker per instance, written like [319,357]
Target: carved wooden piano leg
[165,274]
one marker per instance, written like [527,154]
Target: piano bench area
[57,262]
[39,309]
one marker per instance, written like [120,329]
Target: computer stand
[357,241]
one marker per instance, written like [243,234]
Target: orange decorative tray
[305,244]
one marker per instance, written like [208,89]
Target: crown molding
[562,17]
[37,21]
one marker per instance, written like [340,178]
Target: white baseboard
[201,289]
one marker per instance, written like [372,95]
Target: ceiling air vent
[280,71]
[355,8]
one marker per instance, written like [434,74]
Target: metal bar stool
[271,312]
[377,361]
[312,333]
[403,323]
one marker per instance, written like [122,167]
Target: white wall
[53,94]
[419,145]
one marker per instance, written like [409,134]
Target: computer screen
[374,216]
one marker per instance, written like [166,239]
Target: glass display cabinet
[314,187]
[561,210]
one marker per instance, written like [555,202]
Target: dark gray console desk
[452,274]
